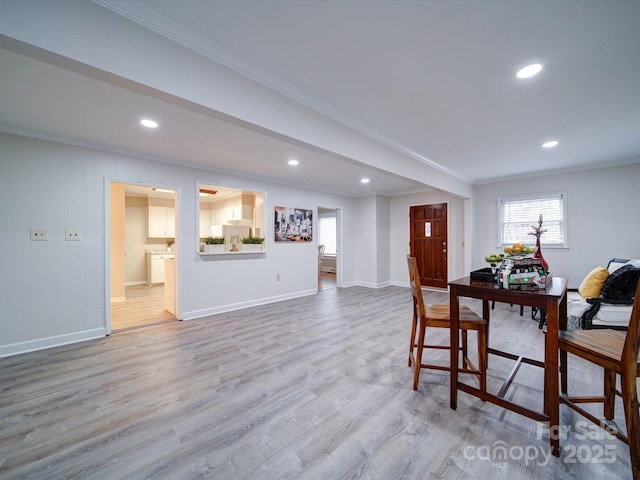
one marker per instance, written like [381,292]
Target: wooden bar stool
[617,353]
[437,315]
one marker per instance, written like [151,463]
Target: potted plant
[170,243]
[252,244]
[214,245]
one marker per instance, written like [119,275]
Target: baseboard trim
[239,306]
[50,342]
[372,285]
[432,289]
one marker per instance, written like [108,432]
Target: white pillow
[613,266]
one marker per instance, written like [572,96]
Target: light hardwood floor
[144,305]
[327,280]
[310,388]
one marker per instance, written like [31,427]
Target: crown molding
[136,154]
[146,17]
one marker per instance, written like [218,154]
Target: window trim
[532,197]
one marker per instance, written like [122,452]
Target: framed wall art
[293,224]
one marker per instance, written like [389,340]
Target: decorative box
[527,273]
[484,275]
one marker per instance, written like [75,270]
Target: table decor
[252,244]
[214,245]
[537,232]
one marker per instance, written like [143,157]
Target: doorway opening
[329,272]
[428,243]
[143,280]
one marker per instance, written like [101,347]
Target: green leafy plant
[214,240]
[170,242]
[252,240]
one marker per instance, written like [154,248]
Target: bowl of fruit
[494,259]
[519,249]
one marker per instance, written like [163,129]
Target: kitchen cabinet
[162,222]
[209,218]
[156,267]
[240,209]
[238,212]
[216,217]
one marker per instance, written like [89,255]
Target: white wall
[383,239]
[366,249]
[602,217]
[373,241]
[53,292]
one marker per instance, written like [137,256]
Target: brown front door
[428,243]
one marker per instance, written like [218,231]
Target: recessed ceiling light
[293,162]
[148,123]
[529,71]
[550,144]
[364,180]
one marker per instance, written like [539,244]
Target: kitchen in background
[149,234]
[230,213]
[143,267]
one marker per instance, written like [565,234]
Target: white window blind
[327,234]
[519,215]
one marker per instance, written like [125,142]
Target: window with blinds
[519,216]
[327,234]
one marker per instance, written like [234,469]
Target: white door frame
[107,244]
[338,211]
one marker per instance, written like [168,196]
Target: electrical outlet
[38,234]
[72,235]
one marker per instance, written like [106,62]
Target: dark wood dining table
[553,300]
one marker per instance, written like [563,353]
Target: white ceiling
[434,80]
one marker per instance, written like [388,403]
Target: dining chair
[617,353]
[437,315]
